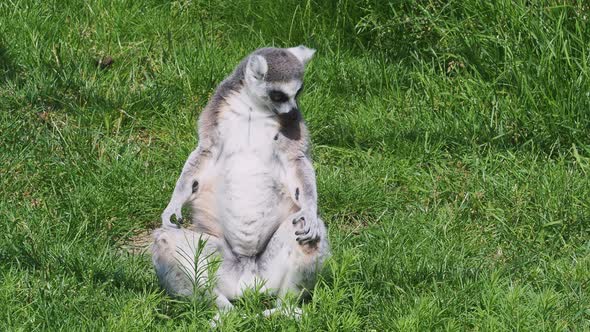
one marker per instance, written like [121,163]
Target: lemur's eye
[278,96]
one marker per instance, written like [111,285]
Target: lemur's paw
[310,232]
[169,212]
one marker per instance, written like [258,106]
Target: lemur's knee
[163,247]
[175,253]
[169,271]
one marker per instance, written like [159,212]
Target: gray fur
[282,66]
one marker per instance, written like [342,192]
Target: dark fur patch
[310,248]
[290,125]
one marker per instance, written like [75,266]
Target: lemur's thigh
[174,254]
[287,266]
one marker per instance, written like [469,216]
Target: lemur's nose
[291,116]
[293,113]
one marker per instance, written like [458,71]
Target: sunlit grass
[451,140]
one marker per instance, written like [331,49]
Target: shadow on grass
[7,66]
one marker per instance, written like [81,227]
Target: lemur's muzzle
[289,117]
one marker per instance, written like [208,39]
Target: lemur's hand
[173,209]
[181,194]
[310,232]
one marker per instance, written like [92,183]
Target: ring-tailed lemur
[252,188]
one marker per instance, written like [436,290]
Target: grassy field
[451,142]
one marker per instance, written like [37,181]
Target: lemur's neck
[244,103]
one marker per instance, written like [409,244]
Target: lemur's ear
[304,54]
[256,67]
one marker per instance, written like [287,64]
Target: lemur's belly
[248,200]
[251,201]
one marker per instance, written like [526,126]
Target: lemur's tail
[174,254]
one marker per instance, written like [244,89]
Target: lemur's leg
[174,254]
[187,184]
[290,268]
[223,305]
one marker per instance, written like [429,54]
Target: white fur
[251,172]
[175,259]
[256,67]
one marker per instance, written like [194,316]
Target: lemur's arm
[305,179]
[304,189]
[187,183]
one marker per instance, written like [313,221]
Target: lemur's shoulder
[209,117]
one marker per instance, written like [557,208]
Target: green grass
[452,148]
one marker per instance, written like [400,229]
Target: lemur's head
[274,78]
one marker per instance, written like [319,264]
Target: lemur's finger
[308,238]
[303,232]
[169,223]
[296,220]
[175,219]
[303,238]
[303,241]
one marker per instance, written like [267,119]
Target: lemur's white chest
[249,193]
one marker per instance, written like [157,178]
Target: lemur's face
[274,78]
[282,97]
